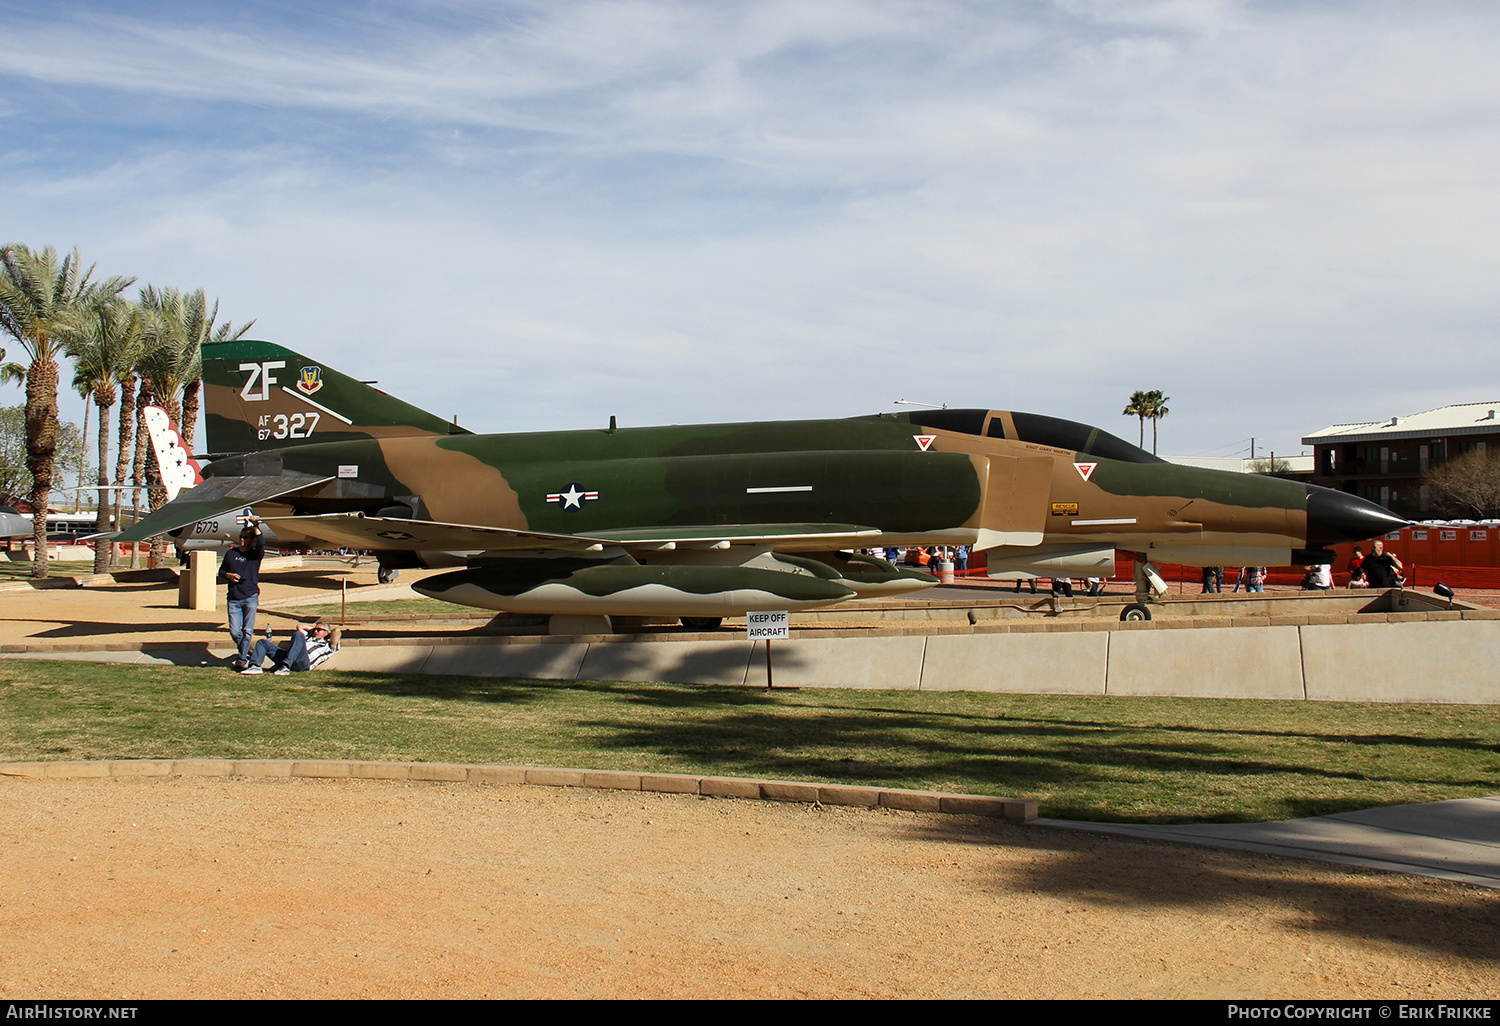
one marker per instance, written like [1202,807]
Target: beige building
[1384,461]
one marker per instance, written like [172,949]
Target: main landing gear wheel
[385,576]
[1134,613]
[702,623]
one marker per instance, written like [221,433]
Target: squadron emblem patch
[572,498]
[310,380]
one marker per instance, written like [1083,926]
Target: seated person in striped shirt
[305,651]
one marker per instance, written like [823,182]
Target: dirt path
[324,888]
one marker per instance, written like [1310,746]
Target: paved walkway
[1456,840]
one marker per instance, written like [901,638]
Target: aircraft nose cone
[1334,517]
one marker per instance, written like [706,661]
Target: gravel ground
[299,888]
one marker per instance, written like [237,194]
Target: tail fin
[178,468]
[258,395]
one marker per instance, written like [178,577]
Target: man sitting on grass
[305,651]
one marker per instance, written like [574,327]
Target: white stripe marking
[1096,523]
[296,394]
[779,488]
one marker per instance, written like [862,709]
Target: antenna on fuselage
[913,402]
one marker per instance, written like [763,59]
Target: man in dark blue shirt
[241,571]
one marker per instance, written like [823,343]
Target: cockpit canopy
[1036,428]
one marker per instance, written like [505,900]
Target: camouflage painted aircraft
[702,522]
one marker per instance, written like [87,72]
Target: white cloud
[687,211]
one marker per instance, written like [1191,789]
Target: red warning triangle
[925,440]
[1084,469]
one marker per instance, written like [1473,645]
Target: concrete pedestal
[195,583]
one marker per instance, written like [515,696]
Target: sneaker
[282,671]
[251,671]
[237,663]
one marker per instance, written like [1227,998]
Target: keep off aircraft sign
[768,626]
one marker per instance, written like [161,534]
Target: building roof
[1460,419]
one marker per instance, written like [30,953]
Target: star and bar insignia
[573,497]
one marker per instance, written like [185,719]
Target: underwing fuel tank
[563,587]
[866,576]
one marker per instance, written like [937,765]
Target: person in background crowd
[1382,569]
[1357,569]
[1253,578]
[1319,577]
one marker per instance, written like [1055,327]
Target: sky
[533,216]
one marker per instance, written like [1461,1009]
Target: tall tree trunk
[83,448]
[122,458]
[103,548]
[41,450]
[189,424]
[143,400]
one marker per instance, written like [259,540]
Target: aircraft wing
[390,533]
[213,498]
[394,533]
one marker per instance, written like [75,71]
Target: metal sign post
[766,626]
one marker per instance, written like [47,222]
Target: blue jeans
[293,655]
[242,623]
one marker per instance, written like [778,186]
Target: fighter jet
[707,521]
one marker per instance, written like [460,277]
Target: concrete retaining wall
[1429,658]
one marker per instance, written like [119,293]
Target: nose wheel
[1135,613]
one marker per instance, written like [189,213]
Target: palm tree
[109,339]
[1156,409]
[186,322]
[127,441]
[1138,408]
[40,298]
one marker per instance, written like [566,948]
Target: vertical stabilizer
[258,395]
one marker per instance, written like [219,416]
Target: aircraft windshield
[1034,427]
[1069,434]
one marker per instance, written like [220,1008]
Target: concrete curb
[1016,810]
[1460,659]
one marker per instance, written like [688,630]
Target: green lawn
[1133,760]
[15,570]
[392,607]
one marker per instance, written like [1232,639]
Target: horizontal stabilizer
[215,497]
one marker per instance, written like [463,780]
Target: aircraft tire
[1135,612]
[702,623]
[386,576]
